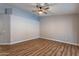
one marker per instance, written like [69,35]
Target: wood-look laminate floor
[40,47]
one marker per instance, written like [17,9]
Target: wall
[76,27]
[4,29]
[24,26]
[18,25]
[60,28]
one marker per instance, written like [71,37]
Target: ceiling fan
[42,8]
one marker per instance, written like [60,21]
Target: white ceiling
[57,9]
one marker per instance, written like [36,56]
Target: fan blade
[46,8]
[45,12]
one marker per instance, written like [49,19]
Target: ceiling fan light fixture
[40,12]
[41,8]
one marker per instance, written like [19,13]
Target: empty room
[39,29]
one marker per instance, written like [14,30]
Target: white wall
[60,28]
[17,26]
[4,29]
[23,26]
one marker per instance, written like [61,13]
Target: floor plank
[40,47]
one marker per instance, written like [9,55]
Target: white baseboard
[22,40]
[4,43]
[61,41]
[36,38]
[19,41]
